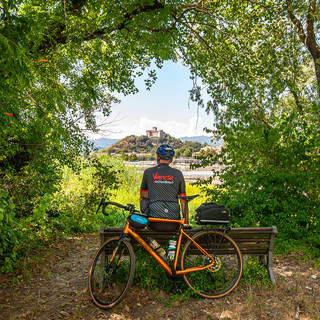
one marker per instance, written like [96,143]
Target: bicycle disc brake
[215,267]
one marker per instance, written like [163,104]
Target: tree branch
[202,40]
[311,39]
[296,98]
[65,12]
[61,38]
[296,22]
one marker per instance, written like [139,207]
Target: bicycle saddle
[188,198]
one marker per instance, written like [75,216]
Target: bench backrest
[255,240]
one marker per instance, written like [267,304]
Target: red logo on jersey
[157,177]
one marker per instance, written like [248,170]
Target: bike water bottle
[157,248]
[171,249]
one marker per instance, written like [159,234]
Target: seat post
[185,208]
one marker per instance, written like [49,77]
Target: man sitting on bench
[161,185]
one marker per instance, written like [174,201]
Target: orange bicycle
[210,264]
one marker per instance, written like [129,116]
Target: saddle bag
[212,213]
[138,221]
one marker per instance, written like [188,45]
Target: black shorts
[164,226]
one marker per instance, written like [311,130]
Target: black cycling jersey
[164,184]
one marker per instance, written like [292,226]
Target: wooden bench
[251,241]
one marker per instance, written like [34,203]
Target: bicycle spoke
[219,279]
[110,279]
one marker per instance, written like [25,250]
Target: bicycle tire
[224,276]
[109,282]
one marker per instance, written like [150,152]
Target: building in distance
[155,133]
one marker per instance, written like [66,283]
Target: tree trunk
[308,36]
[317,67]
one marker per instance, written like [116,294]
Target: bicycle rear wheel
[220,279]
[109,281]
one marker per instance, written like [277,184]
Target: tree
[187,153]
[264,86]
[62,61]
[133,157]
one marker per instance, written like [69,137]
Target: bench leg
[270,267]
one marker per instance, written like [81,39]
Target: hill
[202,140]
[104,143]
[143,144]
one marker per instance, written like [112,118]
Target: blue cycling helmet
[165,152]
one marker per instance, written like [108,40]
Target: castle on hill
[155,133]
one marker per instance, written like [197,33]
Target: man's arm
[144,194]
[183,204]
[182,191]
[144,187]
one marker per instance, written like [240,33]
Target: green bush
[19,236]
[9,244]
[69,211]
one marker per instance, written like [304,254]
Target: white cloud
[193,127]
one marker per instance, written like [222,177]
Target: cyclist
[161,185]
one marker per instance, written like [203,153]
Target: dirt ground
[55,287]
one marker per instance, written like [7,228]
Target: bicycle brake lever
[104,204]
[130,207]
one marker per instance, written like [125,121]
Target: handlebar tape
[106,203]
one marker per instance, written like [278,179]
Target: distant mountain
[202,139]
[103,143]
[127,144]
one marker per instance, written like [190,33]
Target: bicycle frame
[171,271]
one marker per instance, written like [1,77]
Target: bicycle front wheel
[111,278]
[220,279]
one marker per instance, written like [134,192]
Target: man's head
[165,153]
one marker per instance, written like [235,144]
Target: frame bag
[138,221]
[212,213]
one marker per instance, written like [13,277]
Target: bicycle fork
[114,252]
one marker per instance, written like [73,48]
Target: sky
[165,106]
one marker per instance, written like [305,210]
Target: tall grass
[129,178]
[77,213]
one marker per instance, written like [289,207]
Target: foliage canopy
[63,62]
